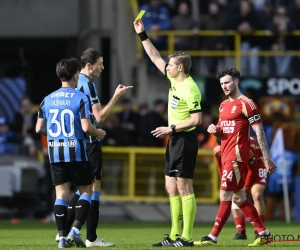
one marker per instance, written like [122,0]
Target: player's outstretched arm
[151,51]
[262,141]
[101,114]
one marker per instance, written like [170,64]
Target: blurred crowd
[18,136]
[244,16]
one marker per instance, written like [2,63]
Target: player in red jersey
[237,113]
[256,180]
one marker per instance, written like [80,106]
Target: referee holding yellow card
[184,114]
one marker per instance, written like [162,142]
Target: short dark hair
[67,68]
[90,56]
[184,59]
[231,71]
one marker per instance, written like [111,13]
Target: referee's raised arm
[151,51]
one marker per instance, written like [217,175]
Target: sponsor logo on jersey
[227,123]
[228,126]
[228,130]
[70,143]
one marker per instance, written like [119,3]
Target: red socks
[252,216]
[240,223]
[221,218]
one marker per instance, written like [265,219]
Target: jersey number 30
[61,125]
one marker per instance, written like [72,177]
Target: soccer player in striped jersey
[66,113]
[91,67]
[256,181]
[237,114]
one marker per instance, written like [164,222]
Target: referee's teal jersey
[88,87]
[63,110]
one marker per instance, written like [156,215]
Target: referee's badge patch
[174,102]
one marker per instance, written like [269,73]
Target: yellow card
[140,15]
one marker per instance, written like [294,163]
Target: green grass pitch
[132,235]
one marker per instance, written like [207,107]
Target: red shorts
[233,176]
[259,175]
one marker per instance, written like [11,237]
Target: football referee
[184,114]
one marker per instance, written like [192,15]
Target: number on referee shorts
[61,125]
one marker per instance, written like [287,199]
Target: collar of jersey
[86,76]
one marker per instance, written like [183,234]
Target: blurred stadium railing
[237,53]
[137,174]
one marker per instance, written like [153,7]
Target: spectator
[184,21]
[151,121]
[227,9]
[116,136]
[245,22]
[213,21]
[282,23]
[295,16]
[8,139]
[258,5]
[143,110]
[24,125]
[266,16]
[129,121]
[157,17]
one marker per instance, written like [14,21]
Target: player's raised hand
[138,26]
[270,166]
[121,90]
[101,134]
[213,129]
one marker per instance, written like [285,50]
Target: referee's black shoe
[166,241]
[181,243]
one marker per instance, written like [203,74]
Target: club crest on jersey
[221,109]
[233,109]
[174,102]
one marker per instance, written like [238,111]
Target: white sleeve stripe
[250,102]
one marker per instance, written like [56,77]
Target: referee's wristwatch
[173,127]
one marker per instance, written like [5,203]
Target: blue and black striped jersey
[87,86]
[63,110]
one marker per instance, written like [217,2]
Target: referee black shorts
[94,153]
[181,154]
[78,173]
